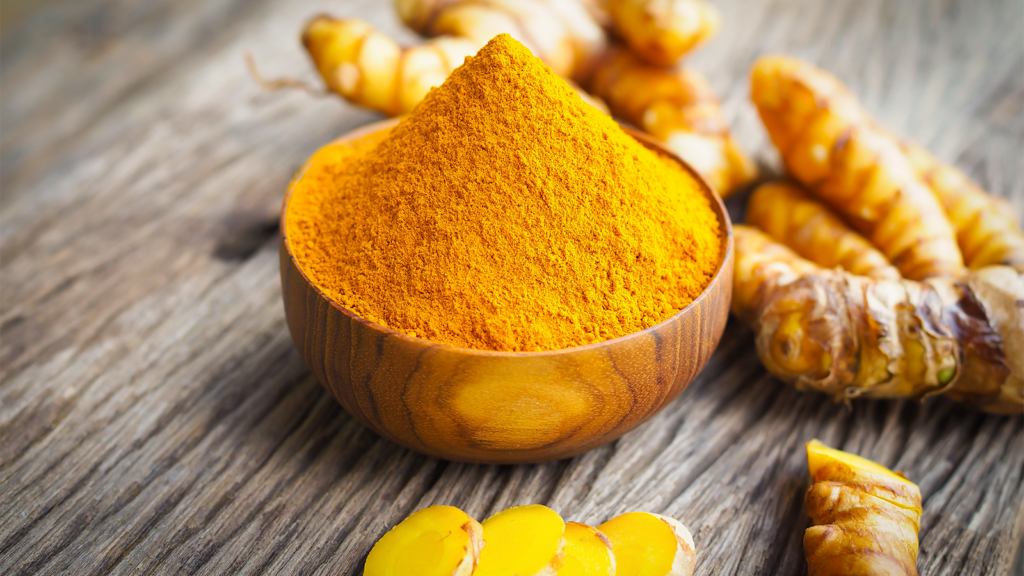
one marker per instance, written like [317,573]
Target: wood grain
[502,407]
[155,417]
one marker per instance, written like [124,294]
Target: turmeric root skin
[562,33]
[661,32]
[852,336]
[985,227]
[808,227]
[829,143]
[866,518]
[677,107]
[368,68]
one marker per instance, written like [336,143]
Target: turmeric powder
[504,214]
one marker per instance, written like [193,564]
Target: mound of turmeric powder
[506,214]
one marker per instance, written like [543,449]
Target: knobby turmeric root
[866,517]
[562,33]
[522,541]
[808,227]
[370,69]
[852,336]
[648,544]
[986,229]
[435,541]
[662,31]
[677,107]
[830,144]
[588,552]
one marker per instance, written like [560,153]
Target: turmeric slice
[808,227]
[434,541]
[677,107]
[588,552]
[852,336]
[370,69]
[522,541]
[986,229]
[830,144]
[866,517]
[648,544]
[663,31]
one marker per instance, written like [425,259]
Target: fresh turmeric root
[562,33]
[866,517]
[650,545]
[986,229]
[663,31]
[830,144]
[853,336]
[522,541]
[808,227]
[435,541]
[677,107]
[588,552]
[368,68]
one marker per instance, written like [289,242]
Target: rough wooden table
[156,418]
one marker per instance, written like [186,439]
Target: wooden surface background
[156,419]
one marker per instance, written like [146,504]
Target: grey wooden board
[155,418]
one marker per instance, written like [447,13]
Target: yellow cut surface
[430,542]
[819,455]
[520,541]
[588,552]
[644,544]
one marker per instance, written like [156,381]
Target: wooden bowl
[502,407]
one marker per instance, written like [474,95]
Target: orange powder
[504,213]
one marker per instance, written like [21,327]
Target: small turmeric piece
[647,544]
[434,541]
[522,541]
[830,144]
[986,229]
[866,517]
[677,107]
[808,227]
[370,69]
[663,31]
[588,552]
[853,336]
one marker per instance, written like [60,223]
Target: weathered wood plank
[155,418]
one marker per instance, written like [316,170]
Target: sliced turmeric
[852,336]
[663,31]
[808,227]
[647,544]
[866,517]
[830,144]
[522,541]
[677,107]
[588,552]
[434,541]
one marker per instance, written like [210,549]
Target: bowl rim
[644,139]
